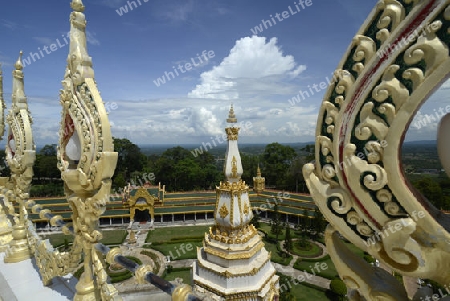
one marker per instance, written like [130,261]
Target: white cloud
[112,3]
[44,40]
[91,38]
[9,24]
[253,67]
[179,11]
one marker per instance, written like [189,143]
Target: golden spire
[231,116]
[18,64]
[18,90]
[258,171]
[2,106]
[77,5]
[1,83]
[78,61]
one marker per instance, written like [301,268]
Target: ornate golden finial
[258,171]
[79,62]
[18,90]
[231,116]
[18,65]
[2,105]
[77,5]
[1,83]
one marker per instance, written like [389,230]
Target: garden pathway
[295,257]
[309,278]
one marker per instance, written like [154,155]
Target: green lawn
[57,240]
[184,274]
[306,293]
[114,237]
[314,250]
[266,228]
[275,257]
[168,234]
[330,272]
[110,237]
[175,251]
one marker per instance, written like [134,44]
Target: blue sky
[258,74]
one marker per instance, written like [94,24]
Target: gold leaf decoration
[223,211]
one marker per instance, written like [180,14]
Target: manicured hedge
[338,287]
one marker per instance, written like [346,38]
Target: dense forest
[181,170]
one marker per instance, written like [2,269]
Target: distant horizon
[240,144]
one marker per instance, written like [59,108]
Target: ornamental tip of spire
[231,116]
[258,171]
[19,65]
[77,5]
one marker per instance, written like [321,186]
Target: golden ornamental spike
[393,64]
[5,225]
[259,182]
[231,116]
[2,106]
[20,155]
[86,158]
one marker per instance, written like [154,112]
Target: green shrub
[169,269]
[137,260]
[155,259]
[369,258]
[316,259]
[338,287]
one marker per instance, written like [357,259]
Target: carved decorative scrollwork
[357,180]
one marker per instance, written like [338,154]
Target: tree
[4,168]
[255,221]
[304,220]
[433,192]
[310,152]
[319,222]
[277,159]
[249,165]
[285,288]
[130,158]
[295,180]
[304,242]
[338,287]
[288,239]
[276,224]
[48,150]
[179,170]
[46,162]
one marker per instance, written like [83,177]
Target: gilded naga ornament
[86,158]
[5,225]
[87,161]
[20,155]
[393,64]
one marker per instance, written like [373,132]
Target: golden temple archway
[142,200]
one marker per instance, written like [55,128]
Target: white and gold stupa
[233,263]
